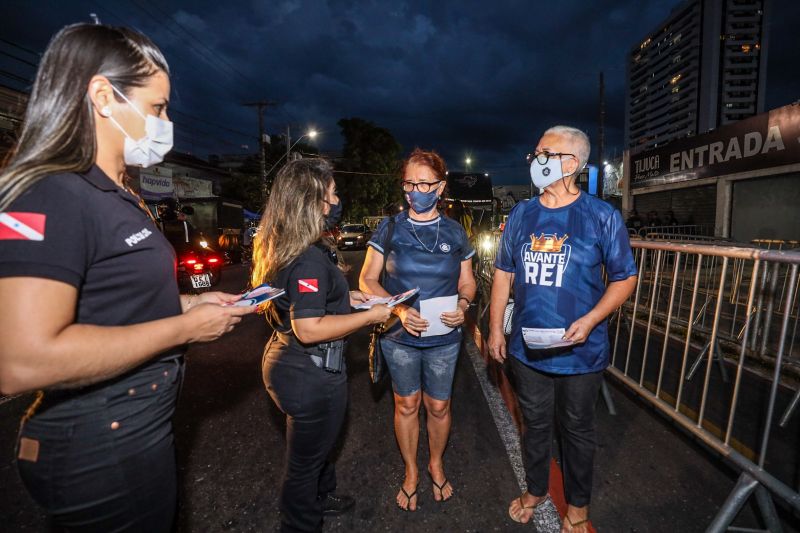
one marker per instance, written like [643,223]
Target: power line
[211,123]
[13,76]
[24,49]
[16,58]
[362,173]
[28,81]
[199,52]
[222,58]
[205,135]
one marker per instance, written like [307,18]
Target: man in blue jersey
[553,251]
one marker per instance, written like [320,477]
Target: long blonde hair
[293,218]
[58,133]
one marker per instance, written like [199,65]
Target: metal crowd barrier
[701,309]
[776,244]
[683,231]
[710,338]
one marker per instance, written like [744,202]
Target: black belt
[316,352]
[289,339]
[172,363]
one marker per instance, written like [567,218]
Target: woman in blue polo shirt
[432,252]
[553,250]
[92,318]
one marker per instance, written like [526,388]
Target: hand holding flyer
[390,301]
[543,338]
[259,295]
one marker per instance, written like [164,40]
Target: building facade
[703,67]
[742,179]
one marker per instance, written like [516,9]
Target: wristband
[469,302]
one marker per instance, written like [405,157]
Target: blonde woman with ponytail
[301,367]
[92,318]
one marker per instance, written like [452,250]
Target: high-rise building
[703,67]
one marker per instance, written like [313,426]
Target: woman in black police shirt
[290,253]
[91,310]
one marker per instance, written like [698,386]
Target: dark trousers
[572,399]
[314,402]
[106,458]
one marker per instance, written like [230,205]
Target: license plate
[201,280]
[348,243]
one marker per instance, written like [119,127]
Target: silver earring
[106,111]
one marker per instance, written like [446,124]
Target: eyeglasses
[543,157]
[423,186]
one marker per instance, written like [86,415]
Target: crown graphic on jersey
[547,243]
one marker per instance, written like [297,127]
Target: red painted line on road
[499,378]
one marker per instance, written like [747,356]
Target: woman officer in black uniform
[91,311]
[303,369]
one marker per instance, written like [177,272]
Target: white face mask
[150,149]
[548,173]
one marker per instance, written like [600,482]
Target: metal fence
[699,314]
[685,231]
[710,338]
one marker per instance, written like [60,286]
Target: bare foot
[407,497]
[442,488]
[521,509]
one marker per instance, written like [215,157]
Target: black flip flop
[408,499]
[441,489]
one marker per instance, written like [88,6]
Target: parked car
[353,236]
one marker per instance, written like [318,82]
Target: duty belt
[315,351]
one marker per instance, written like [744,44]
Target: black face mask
[334,215]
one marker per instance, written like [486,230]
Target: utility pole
[260,106]
[601,139]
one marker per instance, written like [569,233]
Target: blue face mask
[422,202]
[334,215]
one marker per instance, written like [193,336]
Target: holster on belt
[328,356]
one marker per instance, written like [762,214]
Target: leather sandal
[523,507]
[575,524]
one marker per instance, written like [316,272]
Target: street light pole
[311,135]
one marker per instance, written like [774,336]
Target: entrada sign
[763,141]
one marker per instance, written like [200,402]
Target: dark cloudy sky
[464,77]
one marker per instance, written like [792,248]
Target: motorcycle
[199,266]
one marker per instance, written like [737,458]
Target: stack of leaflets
[259,295]
[390,301]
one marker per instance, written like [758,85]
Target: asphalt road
[648,476]
[231,447]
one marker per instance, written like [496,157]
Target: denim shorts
[413,368]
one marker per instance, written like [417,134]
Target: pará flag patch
[308,285]
[22,226]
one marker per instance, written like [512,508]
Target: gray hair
[577,138]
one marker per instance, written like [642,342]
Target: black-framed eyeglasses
[544,156]
[423,186]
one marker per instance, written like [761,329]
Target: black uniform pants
[573,398]
[104,460]
[314,402]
